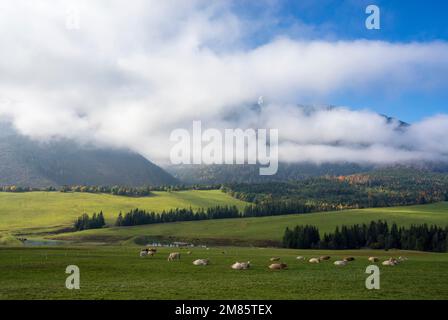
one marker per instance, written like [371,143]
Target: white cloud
[135,70]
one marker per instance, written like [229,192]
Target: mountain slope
[212,174]
[24,162]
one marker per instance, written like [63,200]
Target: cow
[174,256]
[373,259]
[278,266]
[201,262]
[240,265]
[314,260]
[324,258]
[349,259]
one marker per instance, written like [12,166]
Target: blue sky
[333,20]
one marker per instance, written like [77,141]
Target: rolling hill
[35,211]
[264,230]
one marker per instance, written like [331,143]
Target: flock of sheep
[277,265]
[346,260]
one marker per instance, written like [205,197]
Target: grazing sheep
[349,259]
[373,259]
[143,253]
[278,266]
[340,263]
[314,260]
[390,262]
[147,252]
[201,262]
[275,259]
[387,263]
[241,265]
[324,258]
[174,256]
[151,251]
[300,258]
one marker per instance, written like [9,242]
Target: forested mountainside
[29,163]
[379,188]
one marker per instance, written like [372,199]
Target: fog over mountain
[29,163]
[122,82]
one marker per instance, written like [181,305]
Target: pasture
[40,211]
[264,230]
[117,272]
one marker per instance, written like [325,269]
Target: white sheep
[340,263]
[390,262]
[143,253]
[241,265]
[201,262]
[174,256]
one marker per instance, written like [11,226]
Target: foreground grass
[48,210]
[119,273]
[266,229]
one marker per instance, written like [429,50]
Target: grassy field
[108,272]
[46,210]
[250,230]
[117,272]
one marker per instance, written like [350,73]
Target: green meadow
[110,272]
[111,268]
[266,229]
[51,210]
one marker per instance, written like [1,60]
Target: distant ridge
[28,163]
[216,174]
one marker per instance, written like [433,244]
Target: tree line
[376,235]
[20,189]
[114,190]
[284,207]
[85,222]
[139,217]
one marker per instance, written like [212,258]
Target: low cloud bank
[135,71]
